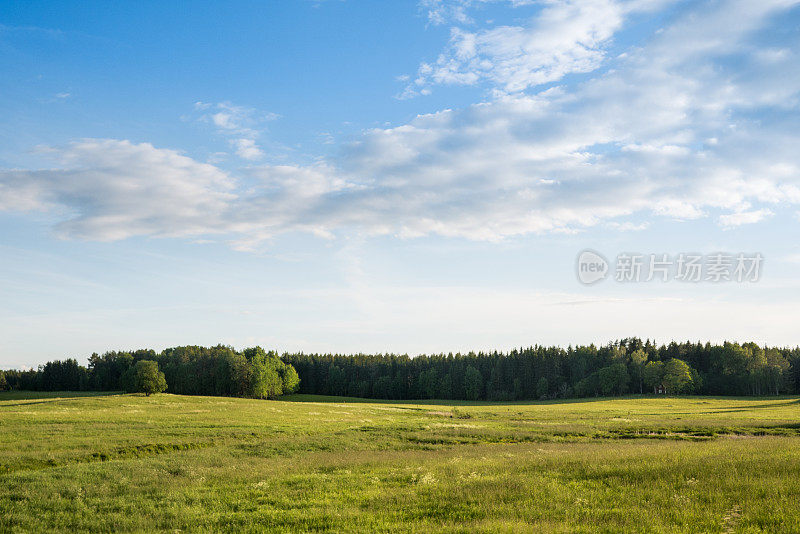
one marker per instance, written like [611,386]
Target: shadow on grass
[41,397]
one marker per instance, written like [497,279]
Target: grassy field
[124,462]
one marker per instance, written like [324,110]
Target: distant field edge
[303,397]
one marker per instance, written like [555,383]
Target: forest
[189,370]
[622,367]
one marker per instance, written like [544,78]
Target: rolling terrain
[101,462]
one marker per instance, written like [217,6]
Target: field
[174,463]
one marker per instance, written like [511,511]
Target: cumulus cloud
[693,123]
[109,190]
[247,149]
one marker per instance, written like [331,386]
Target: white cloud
[457,11]
[565,36]
[246,124]
[108,190]
[440,11]
[739,218]
[247,149]
[628,226]
[634,140]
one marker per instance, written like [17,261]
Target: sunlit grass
[125,462]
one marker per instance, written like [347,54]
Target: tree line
[626,366]
[190,370]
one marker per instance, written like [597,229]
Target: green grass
[72,462]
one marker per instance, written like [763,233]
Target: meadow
[112,462]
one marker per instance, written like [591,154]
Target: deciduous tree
[148,379]
[677,376]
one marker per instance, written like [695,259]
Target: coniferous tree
[626,365]
[473,383]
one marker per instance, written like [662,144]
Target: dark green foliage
[473,384]
[541,388]
[189,370]
[627,366]
[64,375]
[445,387]
[653,375]
[3,383]
[614,379]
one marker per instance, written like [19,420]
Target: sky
[408,177]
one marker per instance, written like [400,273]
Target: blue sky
[403,176]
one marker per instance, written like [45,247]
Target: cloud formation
[699,121]
[243,125]
[107,190]
[564,37]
